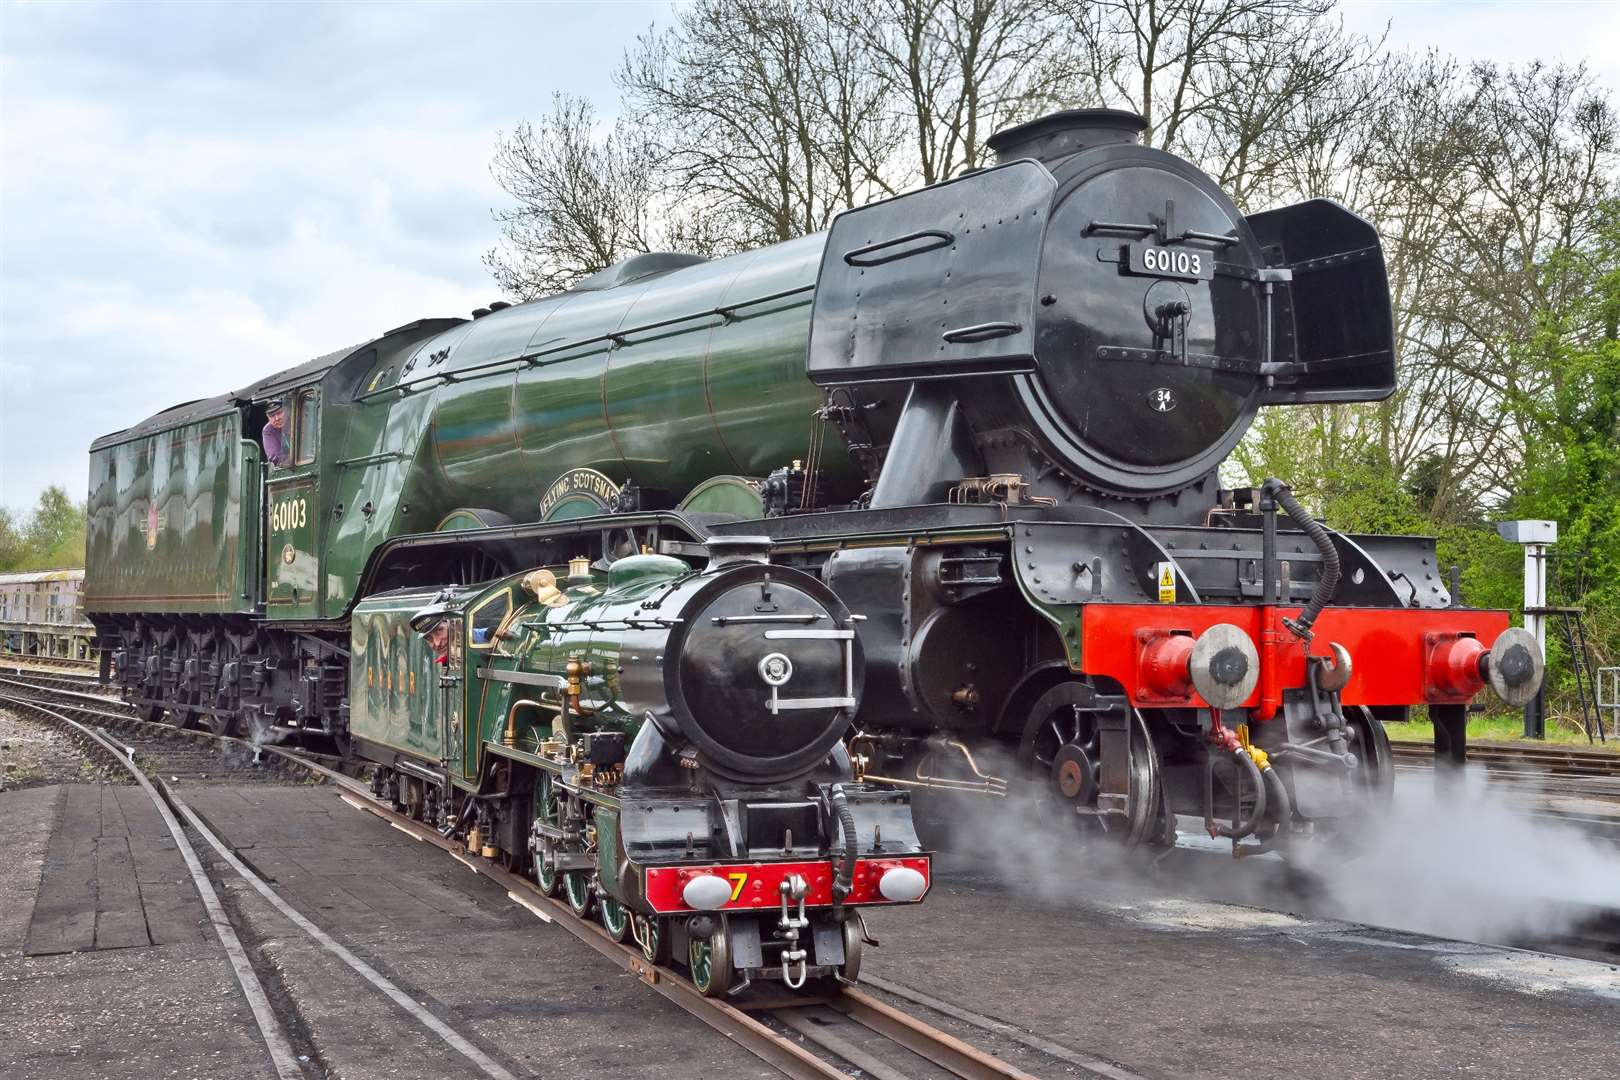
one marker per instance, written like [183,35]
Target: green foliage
[1567,469]
[51,537]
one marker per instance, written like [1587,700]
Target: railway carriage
[987,416]
[41,615]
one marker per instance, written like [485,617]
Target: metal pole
[1536,537]
[1535,598]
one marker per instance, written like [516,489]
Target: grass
[1501,728]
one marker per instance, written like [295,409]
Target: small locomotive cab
[661,745]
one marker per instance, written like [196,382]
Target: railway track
[819,1037]
[1553,769]
[48,663]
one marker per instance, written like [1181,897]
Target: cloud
[197,195]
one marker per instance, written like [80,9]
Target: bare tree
[956,72]
[1486,185]
[1242,87]
[1488,177]
[765,116]
[584,200]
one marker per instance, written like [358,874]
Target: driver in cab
[433,624]
[274,436]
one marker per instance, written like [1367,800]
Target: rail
[1608,697]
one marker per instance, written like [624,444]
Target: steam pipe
[1328,583]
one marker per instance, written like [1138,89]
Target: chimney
[1059,134]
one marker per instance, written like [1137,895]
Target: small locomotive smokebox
[1063,133]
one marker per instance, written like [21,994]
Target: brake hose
[1239,829]
[1328,583]
[844,882]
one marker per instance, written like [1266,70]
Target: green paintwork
[667,381]
[165,529]
[608,854]
[737,495]
[668,407]
[415,717]
[292,560]
[394,694]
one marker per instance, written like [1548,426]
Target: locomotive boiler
[987,415]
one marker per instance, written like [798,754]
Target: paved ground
[1140,971]
[121,1006]
[82,994]
[1149,975]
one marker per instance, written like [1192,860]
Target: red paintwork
[1389,648]
[1162,665]
[761,890]
[1453,668]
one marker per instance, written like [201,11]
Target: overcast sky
[193,196]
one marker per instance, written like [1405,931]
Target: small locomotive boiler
[660,745]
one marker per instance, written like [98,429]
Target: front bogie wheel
[577,886]
[615,918]
[1063,749]
[546,812]
[854,936]
[709,959]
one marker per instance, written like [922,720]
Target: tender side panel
[394,693]
[165,528]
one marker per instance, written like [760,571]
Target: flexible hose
[1328,583]
[845,880]
[1282,805]
[1244,828]
[1285,811]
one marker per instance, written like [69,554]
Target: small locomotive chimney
[1059,134]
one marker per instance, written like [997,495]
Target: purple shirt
[275,444]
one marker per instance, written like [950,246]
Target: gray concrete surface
[526,992]
[1144,970]
[168,1010]
[1172,985]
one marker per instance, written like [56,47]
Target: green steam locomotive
[986,417]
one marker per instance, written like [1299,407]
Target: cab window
[487,617]
[304,422]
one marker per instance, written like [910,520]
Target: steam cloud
[1462,862]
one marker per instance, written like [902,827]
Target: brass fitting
[542,584]
[576,671]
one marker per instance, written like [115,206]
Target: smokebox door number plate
[1155,261]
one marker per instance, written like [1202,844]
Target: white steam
[1460,862]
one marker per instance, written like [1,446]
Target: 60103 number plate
[1169,262]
